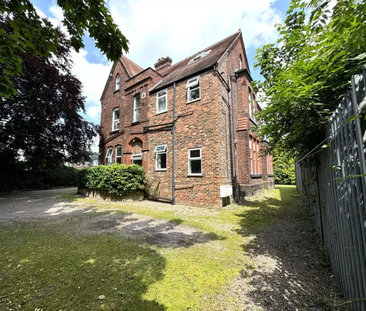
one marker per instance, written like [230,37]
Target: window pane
[116,114]
[118,160]
[162,104]
[137,114]
[138,162]
[161,161]
[195,166]
[118,151]
[194,94]
[162,93]
[195,153]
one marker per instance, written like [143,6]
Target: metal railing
[332,183]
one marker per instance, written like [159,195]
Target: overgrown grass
[53,268]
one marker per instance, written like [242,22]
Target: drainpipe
[231,131]
[173,147]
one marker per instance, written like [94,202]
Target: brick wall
[203,123]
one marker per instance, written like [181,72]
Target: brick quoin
[221,131]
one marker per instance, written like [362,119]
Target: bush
[61,176]
[118,179]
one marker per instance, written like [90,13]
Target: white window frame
[109,156]
[115,122]
[251,154]
[166,101]
[193,84]
[160,149]
[136,157]
[250,103]
[120,154]
[194,158]
[95,162]
[135,119]
[118,82]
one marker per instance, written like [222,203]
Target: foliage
[41,123]
[35,35]
[62,176]
[283,168]
[309,69]
[116,179]
[17,177]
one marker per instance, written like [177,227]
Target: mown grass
[50,267]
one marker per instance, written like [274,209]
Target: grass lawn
[52,266]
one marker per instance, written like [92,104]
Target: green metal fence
[332,182]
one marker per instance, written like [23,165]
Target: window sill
[161,170]
[113,132]
[194,175]
[270,175]
[255,175]
[116,91]
[192,101]
[135,123]
[161,112]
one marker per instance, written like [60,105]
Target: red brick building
[188,124]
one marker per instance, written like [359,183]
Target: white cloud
[93,112]
[161,28]
[92,75]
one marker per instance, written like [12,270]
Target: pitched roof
[184,69]
[132,68]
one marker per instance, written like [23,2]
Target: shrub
[118,179]
[61,176]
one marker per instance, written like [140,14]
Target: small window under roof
[197,57]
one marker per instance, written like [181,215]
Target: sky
[163,28]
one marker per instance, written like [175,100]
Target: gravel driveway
[53,205]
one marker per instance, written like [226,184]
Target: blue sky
[165,28]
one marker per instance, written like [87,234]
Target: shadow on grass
[288,273]
[50,270]
[162,233]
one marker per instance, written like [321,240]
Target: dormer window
[197,57]
[193,89]
[118,81]
[115,120]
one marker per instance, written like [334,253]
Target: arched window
[109,156]
[118,81]
[119,154]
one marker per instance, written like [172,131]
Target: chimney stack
[163,63]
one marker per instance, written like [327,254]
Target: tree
[283,168]
[32,34]
[309,70]
[41,123]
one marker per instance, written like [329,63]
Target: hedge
[118,179]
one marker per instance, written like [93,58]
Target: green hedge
[116,179]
